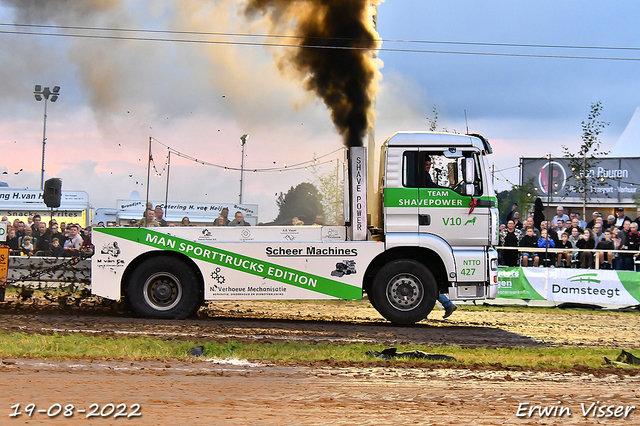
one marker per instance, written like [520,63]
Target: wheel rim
[405,292]
[162,291]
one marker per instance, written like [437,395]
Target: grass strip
[69,346]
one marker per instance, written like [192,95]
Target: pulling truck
[417,242]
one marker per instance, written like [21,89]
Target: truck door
[452,204]
[401,193]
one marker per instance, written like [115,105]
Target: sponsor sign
[35,197]
[429,197]
[513,284]
[618,178]
[3,231]
[134,209]
[589,286]
[358,188]
[4,266]
[22,203]
[210,234]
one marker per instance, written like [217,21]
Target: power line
[316,46]
[296,166]
[292,36]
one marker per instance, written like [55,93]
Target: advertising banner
[618,179]
[513,284]
[4,270]
[175,211]
[559,285]
[22,203]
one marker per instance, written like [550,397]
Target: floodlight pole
[44,143]
[243,142]
[39,94]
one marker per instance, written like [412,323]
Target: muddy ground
[209,392]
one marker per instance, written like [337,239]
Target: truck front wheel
[404,291]
[163,287]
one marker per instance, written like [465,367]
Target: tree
[582,163]
[441,174]
[521,195]
[331,188]
[303,202]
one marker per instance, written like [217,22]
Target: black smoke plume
[335,58]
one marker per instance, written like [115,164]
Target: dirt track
[203,392]
[347,322]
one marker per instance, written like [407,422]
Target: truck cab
[439,208]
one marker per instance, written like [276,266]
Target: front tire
[404,292]
[164,287]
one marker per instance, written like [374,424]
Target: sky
[513,71]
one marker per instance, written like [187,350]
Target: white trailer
[424,240]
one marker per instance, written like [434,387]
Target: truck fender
[429,241]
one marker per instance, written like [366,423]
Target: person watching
[560,215]
[586,242]
[560,228]
[54,232]
[28,233]
[56,250]
[35,226]
[564,257]
[42,245]
[617,245]
[597,233]
[634,241]
[12,240]
[27,247]
[74,241]
[626,258]
[621,218]
[546,242]
[510,237]
[529,241]
[606,243]
[158,213]
[225,214]
[148,220]
[239,220]
[20,229]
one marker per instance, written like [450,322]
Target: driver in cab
[428,182]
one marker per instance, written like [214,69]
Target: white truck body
[428,240]
[243,262]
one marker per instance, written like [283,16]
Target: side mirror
[469,170]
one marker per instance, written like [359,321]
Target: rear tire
[164,287]
[404,292]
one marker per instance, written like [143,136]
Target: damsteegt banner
[588,286]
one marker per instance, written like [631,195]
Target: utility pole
[243,142]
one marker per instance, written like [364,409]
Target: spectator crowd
[38,238]
[574,242]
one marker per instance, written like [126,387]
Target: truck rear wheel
[163,287]
[404,292]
